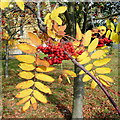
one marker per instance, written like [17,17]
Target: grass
[96,105]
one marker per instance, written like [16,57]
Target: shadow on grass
[62,108]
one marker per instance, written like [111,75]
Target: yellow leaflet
[23,100]
[24,93]
[82,56]
[25,58]
[97,54]
[26,66]
[87,77]
[67,78]
[58,11]
[112,35]
[108,24]
[26,106]
[105,83]
[93,45]
[49,24]
[105,50]
[47,17]
[42,87]
[20,3]
[86,60]
[93,84]
[26,75]
[69,72]
[112,26]
[51,33]
[118,28]
[34,39]
[87,38]
[108,34]
[102,30]
[44,77]
[101,62]
[78,32]
[76,43]
[60,79]
[34,103]
[27,48]
[105,78]
[87,67]
[39,96]
[115,38]
[25,84]
[58,20]
[45,69]
[103,70]
[4,3]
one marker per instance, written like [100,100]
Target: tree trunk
[6,59]
[78,96]
[78,84]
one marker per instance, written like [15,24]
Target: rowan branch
[96,80]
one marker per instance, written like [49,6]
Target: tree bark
[6,59]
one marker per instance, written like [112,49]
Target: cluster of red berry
[104,41]
[56,52]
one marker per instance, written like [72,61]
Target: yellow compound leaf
[25,58]
[87,67]
[23,100]
[101,62]
[93,45]
[108,34]
[24,93]
[20,3]
[105,83]
[86,60]
[103,70]
[44,77]
[118,28]
[78,32]
[82,56]
[26,106]
[97,54]
[93,84]
[69,72]
[42,87]
[87,38]
[42,62]
[26,66]
[25,84]
[39,96]
[27,48]
[47,17]
[26,75]
[4,4]
[34,103]
[45,69]
[105,78]
[34,39]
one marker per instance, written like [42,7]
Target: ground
[96,104]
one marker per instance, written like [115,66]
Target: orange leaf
[42,62]
[34,38]
[27,48]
